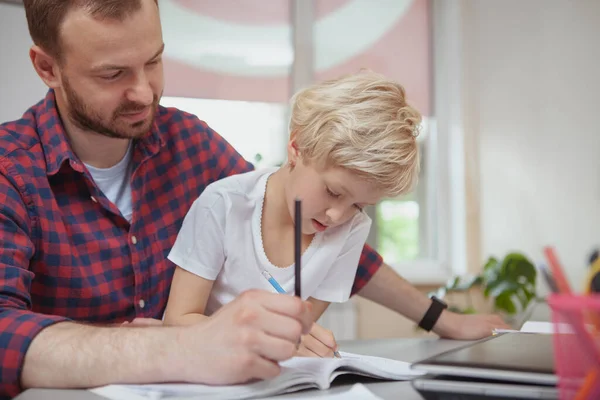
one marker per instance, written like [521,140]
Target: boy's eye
[113,76]
[329,192]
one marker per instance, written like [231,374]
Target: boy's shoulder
[244,184]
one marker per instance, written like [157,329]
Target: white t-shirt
[115,182]
[221,240]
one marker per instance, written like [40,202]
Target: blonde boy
[353,141]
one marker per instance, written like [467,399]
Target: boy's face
[329,197]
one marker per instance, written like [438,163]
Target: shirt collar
[55,143]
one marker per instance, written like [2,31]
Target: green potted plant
[510,283]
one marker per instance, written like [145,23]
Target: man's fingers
[258,368]
[289,306]
[268,347]
[274,324]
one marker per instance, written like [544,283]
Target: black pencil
[297,247]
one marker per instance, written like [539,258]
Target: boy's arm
[318,307]
[199,254]
[187,298]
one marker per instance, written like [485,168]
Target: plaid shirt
[67,253]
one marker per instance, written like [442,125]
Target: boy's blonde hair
[360,122]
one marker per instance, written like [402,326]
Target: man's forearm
[390,290]
[68,355]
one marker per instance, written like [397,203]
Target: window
[239,64]
[229,62]
[257,130]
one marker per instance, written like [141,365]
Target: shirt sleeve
[369,264]
[336,287]
[200,244]
[227,161]
[18,324]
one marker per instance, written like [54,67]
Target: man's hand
[244,340]
[319,342]
[468,326]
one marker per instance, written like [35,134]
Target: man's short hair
[45,17]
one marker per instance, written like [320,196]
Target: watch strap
[433,313]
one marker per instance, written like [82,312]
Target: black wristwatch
[432,314]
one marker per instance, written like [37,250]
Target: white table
[400,349]
[410,350]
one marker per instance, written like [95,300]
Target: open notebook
[297,373]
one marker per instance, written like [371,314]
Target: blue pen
[279,289]
[273,282]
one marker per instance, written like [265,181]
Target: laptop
[505,366]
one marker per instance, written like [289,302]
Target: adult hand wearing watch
[451,325]
[390,290]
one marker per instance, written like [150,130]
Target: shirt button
[133,240]
[93,199]
[142,303]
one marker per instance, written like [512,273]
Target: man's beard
[85,118]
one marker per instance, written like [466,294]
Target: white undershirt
[115,182]
[221,240]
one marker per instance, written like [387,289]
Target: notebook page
[379,367]
[290,379]
[297,373]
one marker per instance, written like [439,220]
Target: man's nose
[141,92]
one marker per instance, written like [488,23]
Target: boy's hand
[143,322]
[319,342]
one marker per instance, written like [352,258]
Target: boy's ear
[292,148]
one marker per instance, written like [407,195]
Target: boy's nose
[334,215]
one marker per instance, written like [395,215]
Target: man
[94,183]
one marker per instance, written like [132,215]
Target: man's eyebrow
[106,67]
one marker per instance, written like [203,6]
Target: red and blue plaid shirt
[67,253]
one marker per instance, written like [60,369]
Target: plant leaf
[522,295]
[452,283]
[505,303]
[469,283]
[490,270]
[504,287]
[516,266]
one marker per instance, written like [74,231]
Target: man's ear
[45,65]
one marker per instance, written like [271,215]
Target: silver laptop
[509,365]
